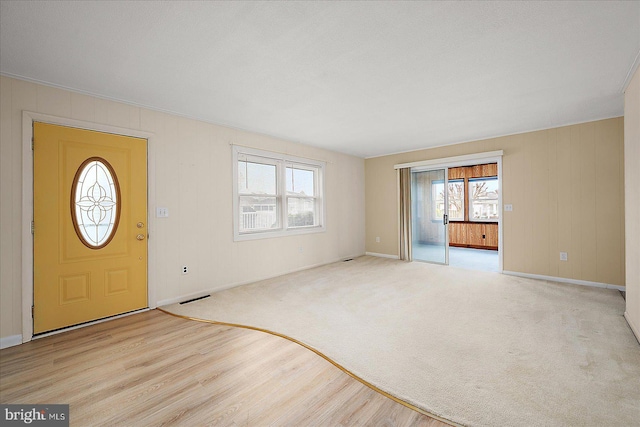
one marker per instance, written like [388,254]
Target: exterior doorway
[90,226]
[455,211]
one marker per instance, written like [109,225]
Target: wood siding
[467,233]
[476,171]
[474,234]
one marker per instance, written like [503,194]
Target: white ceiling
[364,78]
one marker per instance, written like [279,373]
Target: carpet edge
[328,359]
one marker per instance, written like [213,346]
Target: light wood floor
[156,369]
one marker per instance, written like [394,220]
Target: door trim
[465,160]
[28,118]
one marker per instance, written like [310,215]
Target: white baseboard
[246,282]
[382,255]
[10,341]
[634,328]
[565,280]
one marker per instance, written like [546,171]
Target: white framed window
[275,194]
[483,199]
[456,200]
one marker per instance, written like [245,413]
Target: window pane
[456,200]
[437,201]
[300,182]
[301,212]
[256,178]
[484,199]
[258,213]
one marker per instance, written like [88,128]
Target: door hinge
[32,143]
[32,309]
[33,227]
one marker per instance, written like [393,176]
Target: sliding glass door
[429,240]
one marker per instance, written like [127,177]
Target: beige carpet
[476,348]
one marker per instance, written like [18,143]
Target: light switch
[508,208]
[162,212]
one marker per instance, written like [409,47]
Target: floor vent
[195,299]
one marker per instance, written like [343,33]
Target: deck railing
[260,220]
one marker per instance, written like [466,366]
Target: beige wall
[193,179]
[632,199]
[566,188]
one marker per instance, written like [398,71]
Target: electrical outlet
[377,240]
[185,269]
[563,256]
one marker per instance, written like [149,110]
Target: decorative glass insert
[95,202]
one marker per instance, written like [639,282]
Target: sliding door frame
[468,160]
[445,222]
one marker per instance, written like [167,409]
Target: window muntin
[483,199]
[276,195]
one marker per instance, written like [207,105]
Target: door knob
[140,224]
[140,237]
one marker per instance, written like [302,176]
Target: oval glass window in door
[95,202]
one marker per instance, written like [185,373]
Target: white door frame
[28,118]
[469,160]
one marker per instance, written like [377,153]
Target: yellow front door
[90,226]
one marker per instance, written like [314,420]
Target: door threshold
[429,262]
[82,325]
